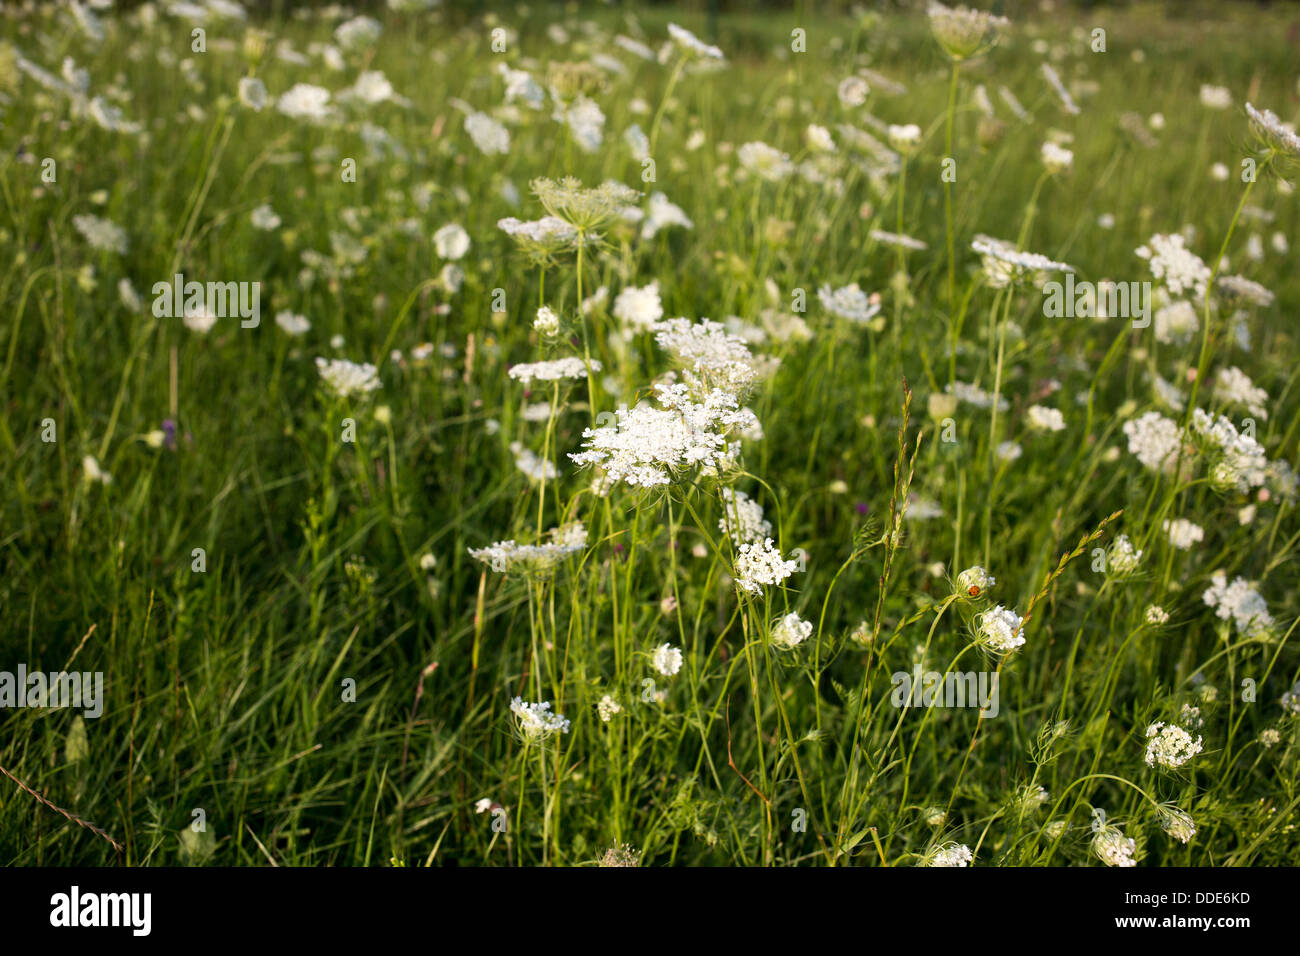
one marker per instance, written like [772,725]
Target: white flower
[607,707]
[358,32]
[951,854]
[451,241]
[291,323]
[1177,266]
[742,518]
[305,101]
[1273,131]
[1215,97]
[1113,847]
[482,805]
[852,92]
[639,308]
[1183,533]
[1008,451]
[348,378]
[765,161]
[263,217]
[906,138]
[536,722]
[1000,630]
[1176,322]
[650,446]
[963,32]
[553,370]
[667,659]
[1057,158]
[1240,602]
[585,121]
[502,556]
[252,92]
[521,86]
[102,234]
[93,473]
[1169,745]
[790,632]
[974,581]
[692,44]
[1156,615]
[1154,439]
[1234,387]
[758,565]
[849,302]
[819,139]
[660,213]
[1122,558]
[1176,823]
[488,135]
[1046,419]
[198,319]
[547,322]
[527,461]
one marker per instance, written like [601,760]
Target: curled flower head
[999,630]
[963,32]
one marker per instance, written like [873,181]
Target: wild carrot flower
[760,565]
[963,32]
[1113,848]
[790,631]
[667,660]
[1170,746]
[535,722]
[999,630]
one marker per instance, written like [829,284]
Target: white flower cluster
[1173,263]
[607,707]
[1176,823]
[667,659]
[1170,746]
[951,854]
[1003,262]
[765,161]
[639,309]
[1113,848]
[1000,630]
[742,518]
[760,564]
[692,44]
[102,234]
[552,370]
[1277,134]
[536,468]
[1154,439]
[348,378]
[964,32]
[1123,558]
[974,395]
[535,721]
[503,556]
[713,358]
[849,302]
[1248,291]
[648,446]
[1240,602]
[1234,387]
[1176,322]
[660,214]
[1241,462]
[1156,615]
[1183,533]
[790,632]
[974,581]
[1045,419]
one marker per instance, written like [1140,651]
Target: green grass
[225,688]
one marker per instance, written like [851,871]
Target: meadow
[594,435]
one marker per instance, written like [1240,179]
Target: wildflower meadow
[537,434]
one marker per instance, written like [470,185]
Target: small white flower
[451,241]
[1000,630]
[1169,745]
[790,632]
[667,659]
